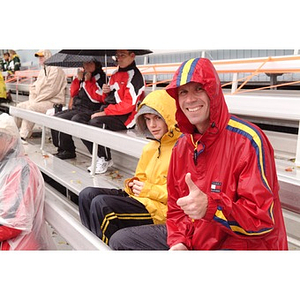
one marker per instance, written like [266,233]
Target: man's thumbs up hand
[195,203]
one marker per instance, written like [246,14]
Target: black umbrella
[107,53]
[76,61]
[102,52]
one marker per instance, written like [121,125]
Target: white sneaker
[101,165]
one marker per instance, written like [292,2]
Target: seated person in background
[22,224]
[14,63]
[47,90]
[120,100]
[84,104]
[4,95]
[144,200]
[4,62]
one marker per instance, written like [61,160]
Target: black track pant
[65,141]
[147,237]
[105,211]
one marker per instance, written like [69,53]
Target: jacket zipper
[195,150]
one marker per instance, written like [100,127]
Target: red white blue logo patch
[216,187]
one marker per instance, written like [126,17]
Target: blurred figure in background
[47,90]
[4,62]
[120,98]
[83,104]
[14,63]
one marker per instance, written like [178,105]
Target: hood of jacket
[202,71]
[164,105]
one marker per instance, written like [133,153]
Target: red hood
[200,70]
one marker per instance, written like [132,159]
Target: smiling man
[222,180]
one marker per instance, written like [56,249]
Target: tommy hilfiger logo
[215,187]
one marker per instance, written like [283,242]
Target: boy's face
[156,125]
[195,104]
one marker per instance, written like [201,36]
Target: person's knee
[86,195]
[96,122]
[117,240]
[77,118]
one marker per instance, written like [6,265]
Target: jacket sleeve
[178,223]
[94,90]
[126,106]
[127,97]
[7,233]
[52,84]
[74,88]
[251,213]
[155,192]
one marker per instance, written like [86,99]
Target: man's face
[195,104]
[41,60]
[124,58]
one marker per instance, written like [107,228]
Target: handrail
[270,65]
[118,141]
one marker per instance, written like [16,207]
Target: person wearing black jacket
[83,106]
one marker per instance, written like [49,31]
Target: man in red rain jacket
[222,181]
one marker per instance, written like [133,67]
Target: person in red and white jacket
[85,101]
[120,99]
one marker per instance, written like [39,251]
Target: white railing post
[154,82]
[94,158]
[234,83]
[43,137]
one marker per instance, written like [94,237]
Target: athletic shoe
[65,155]
[101,165]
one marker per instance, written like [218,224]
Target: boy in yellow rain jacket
[144,200]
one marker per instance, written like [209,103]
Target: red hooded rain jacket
[234,166]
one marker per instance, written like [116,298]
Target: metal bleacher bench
[60,212]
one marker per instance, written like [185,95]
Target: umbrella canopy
[101,52]
[76,61]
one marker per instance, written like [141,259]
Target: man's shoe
[101,165]
[65,155]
